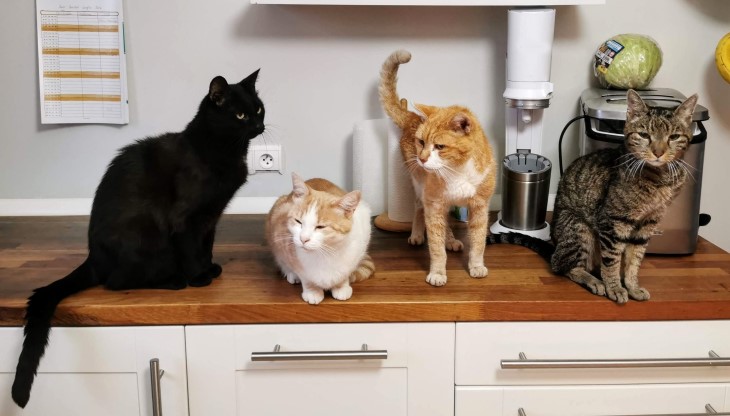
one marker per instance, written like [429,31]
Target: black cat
[155,211]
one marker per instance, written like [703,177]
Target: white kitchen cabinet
[591,368]
[423,369]
[416,378]
[99,371]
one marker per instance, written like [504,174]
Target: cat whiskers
[634,169]
[686,167]
[640,168]
[447,173]
[327,251]
[411,164]
[286,238]
[270,130]
[684,162]
[630,157]
[672,172]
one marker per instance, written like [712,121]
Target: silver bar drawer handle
[709,410]
[523,363]
[278,355]
[155,376]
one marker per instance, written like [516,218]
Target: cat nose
[304,239]
[422,159]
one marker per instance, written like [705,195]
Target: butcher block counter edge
[35,251]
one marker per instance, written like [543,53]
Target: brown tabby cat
[451,163]
[609,202]
[319,236]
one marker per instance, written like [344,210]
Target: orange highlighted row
[80,51]
[79,28]
[80,74]
[83,97]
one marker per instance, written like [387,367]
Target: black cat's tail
[544,248]
[41,306]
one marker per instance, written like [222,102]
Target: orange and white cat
[319,235]
[451,163]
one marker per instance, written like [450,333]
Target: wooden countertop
[35,251]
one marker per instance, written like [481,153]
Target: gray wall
[319,68]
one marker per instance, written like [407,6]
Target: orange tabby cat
[451,163]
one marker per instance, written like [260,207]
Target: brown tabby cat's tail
[544,248]
[41,306]
[388,92]
[365,269]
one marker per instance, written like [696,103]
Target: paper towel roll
[369,167]
[401,198]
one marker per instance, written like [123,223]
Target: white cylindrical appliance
[527,94]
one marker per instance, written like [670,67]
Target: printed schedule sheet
[82,68]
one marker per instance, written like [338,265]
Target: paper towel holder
[383,221]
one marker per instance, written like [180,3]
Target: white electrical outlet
[265,155]
[266,161]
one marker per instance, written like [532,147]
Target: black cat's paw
[215,270]
[203,279]
[206,277]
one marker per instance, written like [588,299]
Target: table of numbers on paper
[81,62]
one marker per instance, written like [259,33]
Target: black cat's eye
[241,116]
[644,135]
[298,222]
[422,143]
[439,146]
[259,111]
[319,227]
[674,136]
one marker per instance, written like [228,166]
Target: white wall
[319,68]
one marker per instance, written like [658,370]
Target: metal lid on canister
[526,167]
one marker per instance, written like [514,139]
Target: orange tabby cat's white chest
[463,185]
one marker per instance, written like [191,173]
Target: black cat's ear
[217,90]
[250,81]
[461,123]
[349,202]
[686,109]
[300,189]
[635,106]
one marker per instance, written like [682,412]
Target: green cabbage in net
[627,61]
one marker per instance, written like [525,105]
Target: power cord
[560,142]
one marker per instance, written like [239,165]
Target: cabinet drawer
[651,399]
[415,378]
[481,347]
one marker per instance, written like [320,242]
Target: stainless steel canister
[525,190]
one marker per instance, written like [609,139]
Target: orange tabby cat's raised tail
[388,92]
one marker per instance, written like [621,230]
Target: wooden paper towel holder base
[384,222]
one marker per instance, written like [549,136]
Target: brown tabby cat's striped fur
[451,163]
[609,202]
